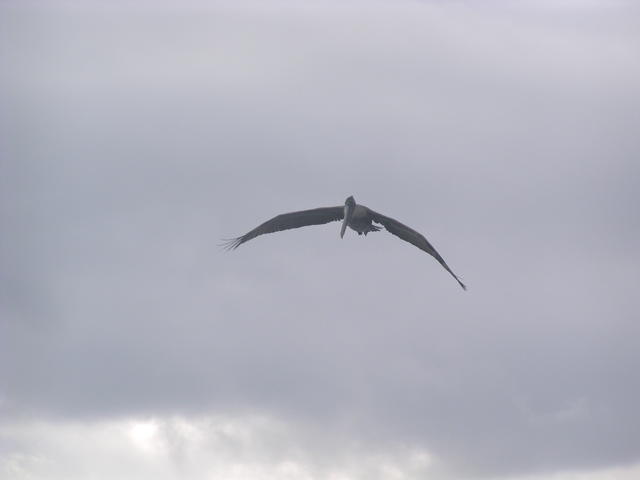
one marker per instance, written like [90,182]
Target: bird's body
[361,221]
[357,217]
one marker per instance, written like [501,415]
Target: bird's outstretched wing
[286,221]
[410,235]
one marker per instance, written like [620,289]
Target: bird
[357,217]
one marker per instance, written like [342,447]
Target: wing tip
[229,244]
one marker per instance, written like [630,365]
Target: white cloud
[216,447]
[230,448]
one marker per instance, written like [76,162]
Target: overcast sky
[134,136]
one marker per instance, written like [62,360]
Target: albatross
[357,217]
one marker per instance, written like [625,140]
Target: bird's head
[349,206]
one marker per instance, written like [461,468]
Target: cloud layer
[137,137]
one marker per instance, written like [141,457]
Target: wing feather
[408,234]
[287,221]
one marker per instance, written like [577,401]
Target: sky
[134,136]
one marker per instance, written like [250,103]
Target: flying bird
[357,217]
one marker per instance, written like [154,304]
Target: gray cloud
[138,137]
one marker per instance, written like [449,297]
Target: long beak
[348,213]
